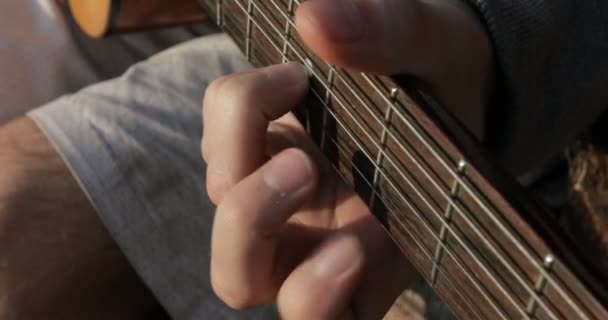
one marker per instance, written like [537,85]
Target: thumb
[391,36]
[441,43]
[323,285]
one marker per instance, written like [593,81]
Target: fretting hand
[287,228]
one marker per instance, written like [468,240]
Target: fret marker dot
[462,165]
[393,93]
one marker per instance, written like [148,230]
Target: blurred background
[43,54]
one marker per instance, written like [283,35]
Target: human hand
[288,228]
[441,43]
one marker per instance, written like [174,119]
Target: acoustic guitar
[474,234]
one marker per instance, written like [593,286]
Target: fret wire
[290,8]
[540,285]
[400,193]
[416,131]
[330,81]
[562,292]
[421,247]
[293,25]
[549,278]
[443,235]
[474,281]
[520,279]
[220,13]
[332,70]
[328,90]
[420,217]
[464,245]
[442,161]
[277,32]
[418,214]
[422,197]
[492,216]
[480,233]
[430,230]
[408,151]
[443,272]
[249,26]
[411,124]
[383,143]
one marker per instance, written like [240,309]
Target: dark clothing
[552,57]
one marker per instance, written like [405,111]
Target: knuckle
[231,211]
[235,296]
[230,92]
[214,195]
[240,94]
[234,89]
[205,152]
[217,184]
[210,94]
[216,84]
[237,213]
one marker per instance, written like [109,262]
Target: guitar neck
[488,255]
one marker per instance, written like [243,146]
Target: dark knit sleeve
[552,58]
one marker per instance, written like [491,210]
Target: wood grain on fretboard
[488,255]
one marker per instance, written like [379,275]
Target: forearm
[56,259]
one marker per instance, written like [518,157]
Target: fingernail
[339,256]
[290,74]
[343,19]
[288,172]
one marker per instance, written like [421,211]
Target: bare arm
[57,261]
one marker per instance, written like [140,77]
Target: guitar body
[98,18]
[472,232]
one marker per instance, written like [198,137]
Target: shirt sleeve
[552,64]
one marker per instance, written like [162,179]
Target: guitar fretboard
[465,237]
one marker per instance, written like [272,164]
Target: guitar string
[421,247]
[532,292]
[406,229]
[322,81]
[412,207]
[424,139]
[419,132]
[425,223]
[317,76]
[542,270]
[300,57]
[504,291]
[536,292]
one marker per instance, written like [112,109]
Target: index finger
[236,112]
